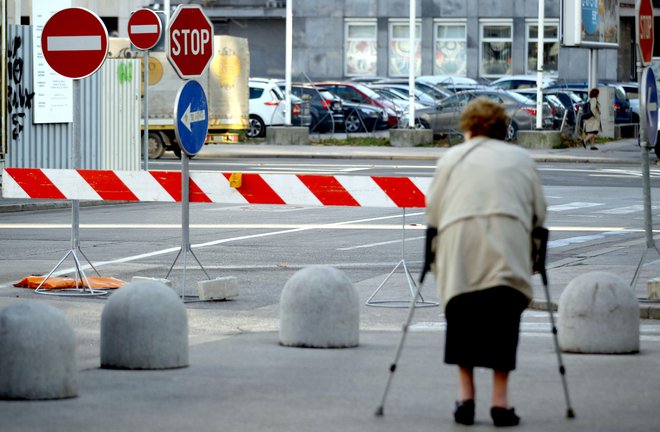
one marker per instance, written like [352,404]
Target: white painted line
[581,239]
[144,29]
[221,241]
[48,226]
[573,206]
[370,245]
[73,43]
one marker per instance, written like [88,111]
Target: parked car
[514,82]
[363,117]
[446,80]
[622,109]
[632,93]
[420,86]
[558,108]
[326,110]
[300,112]
[266,106]
[572,103]
[360,93]
[522,111]
[402,91]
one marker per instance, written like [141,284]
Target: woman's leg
[500,397]
[466,390]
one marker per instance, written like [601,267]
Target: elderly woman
[484,201]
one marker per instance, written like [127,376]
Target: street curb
[647,309]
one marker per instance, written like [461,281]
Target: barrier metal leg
[418,300]
[80,275]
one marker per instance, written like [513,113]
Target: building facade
[338,39]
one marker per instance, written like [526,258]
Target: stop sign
[74,51]
[144,29]
[190,41]
[644,24]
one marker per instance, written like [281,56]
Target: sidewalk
[247,382]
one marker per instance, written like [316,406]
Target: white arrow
[191,117]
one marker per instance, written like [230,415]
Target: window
[361,49]
[399,42]
[450,56]
[496,48]
[550,46]
[255,93]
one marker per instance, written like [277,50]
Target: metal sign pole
[185,225]
[80,275]
[145,128]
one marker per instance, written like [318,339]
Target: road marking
[347,226]
[626,210]
[582,239]
[370,245]
[573,206]
[223,241]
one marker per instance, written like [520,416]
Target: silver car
[444,118]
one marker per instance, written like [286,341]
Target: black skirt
[482,328]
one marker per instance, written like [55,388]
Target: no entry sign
[144,29]
[644,21]
[74,42]
[190,41]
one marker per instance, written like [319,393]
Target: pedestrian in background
[484,201]
[592,124]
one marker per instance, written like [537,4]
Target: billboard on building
[590,23]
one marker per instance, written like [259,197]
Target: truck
[226,83]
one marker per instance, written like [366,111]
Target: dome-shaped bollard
[144,326]
[37,353]
[319,308]
[598,314]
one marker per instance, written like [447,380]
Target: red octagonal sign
[74,42]
[645,30]
[190,41]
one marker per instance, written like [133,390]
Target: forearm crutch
[541,235]
[431,233]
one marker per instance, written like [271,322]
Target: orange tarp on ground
[63,283]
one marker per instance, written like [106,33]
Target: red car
[359,93]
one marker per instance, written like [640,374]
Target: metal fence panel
[46,145]
[120,114]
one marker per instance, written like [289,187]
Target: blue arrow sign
[191,117]
[649,100]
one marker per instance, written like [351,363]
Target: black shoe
[584,144]
[594,148]
[504,417]
[464,413]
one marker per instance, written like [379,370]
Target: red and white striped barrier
[215,187]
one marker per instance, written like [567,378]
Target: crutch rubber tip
[570,413]
[379,412]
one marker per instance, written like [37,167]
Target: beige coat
[484,207]
[593,124]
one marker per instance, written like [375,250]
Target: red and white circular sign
[144,29]
[645,30]
[74,42]
[190,41]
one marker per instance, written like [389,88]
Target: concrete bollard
[37,353]
[144,325]
[319,308]
[599,314]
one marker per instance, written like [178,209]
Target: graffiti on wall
[19,96]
